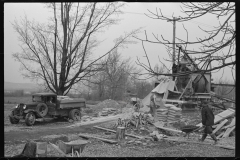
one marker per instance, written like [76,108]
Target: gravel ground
[152,149]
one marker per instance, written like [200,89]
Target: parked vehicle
[47,105]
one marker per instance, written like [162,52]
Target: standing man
[207,121]
[174,70]
[152,104]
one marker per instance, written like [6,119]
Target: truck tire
[75,114]
[42,109]
[30,119]
[13,120]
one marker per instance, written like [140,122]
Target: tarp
[160,89]
[164,86]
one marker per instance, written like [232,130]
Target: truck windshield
[37,99]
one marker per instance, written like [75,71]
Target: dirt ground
[15,137]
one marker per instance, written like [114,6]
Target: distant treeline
[16,93]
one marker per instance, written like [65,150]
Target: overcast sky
[132,18]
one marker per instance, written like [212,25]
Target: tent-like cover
[159,91]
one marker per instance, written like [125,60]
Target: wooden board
[220,135]
[203,143]
[228,131]
[221,116]
[158,125]
[102,139]
[231,124]
[220,126]
[126,134]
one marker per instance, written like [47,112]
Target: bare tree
[60,52]
[113,79]
[210,48]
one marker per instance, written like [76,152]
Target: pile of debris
[137,120]
[107,107]
[225,127]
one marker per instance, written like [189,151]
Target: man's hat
[204,103]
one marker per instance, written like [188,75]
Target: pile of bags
[174,114]
[169,114]
[161,115]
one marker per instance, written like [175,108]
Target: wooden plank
[221,116]
[102,139]
[220,126]
[190,80]
[203,143]
[126,134]
[158,125]
[220,135]
[231,124]
[59,150]
[226,147]
[228,131]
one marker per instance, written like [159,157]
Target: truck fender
[30,110]
[34,111]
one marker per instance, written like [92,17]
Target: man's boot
[203,137]
[214,138]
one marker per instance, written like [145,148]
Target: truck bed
[67,103]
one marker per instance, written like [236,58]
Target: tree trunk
[120,135]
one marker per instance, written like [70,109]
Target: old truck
[47,105]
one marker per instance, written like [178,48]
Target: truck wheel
[13,120]
[42,109]
[30,119]
[75,114]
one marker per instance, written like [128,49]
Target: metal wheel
[30,119]
[75,115]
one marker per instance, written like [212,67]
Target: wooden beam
[126,134]
[220,126]
[203,143]
[228,131]
[231,124]
[102,139]
[220,135]
[165,128]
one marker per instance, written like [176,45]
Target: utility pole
[174,30]
[174,35]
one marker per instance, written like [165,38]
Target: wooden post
[120,135]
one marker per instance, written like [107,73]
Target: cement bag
[169,106]
[175,108]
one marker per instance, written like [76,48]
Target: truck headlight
[24,107]
[16,106]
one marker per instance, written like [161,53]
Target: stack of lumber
[161,115]
[223,129]
[174,114]
[224,123]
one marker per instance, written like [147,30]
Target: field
[15,136]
